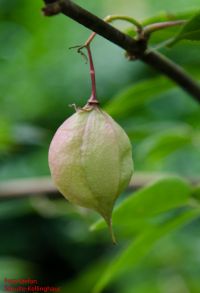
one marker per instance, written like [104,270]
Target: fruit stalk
[93,99]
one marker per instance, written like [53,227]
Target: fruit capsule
[90,159]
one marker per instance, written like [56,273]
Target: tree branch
[27,187]
[135,48]
[94,23]
[24,187]
[173,71]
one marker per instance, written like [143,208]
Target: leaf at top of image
[190,31]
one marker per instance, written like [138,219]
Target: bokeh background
[43,237]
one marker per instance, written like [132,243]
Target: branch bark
[44,186]
[137,49]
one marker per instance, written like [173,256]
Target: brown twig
[44,185]
[135,48]
[27,187]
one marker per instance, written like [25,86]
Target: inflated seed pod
[90,159]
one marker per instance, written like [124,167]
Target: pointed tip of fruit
[112,234]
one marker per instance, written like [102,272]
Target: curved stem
[111,18]
[114,241]
[108,221]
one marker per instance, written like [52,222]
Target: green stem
[161,25]
[129,19]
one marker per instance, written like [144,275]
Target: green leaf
[87,278]
[135,96]
[160,196]
[161,144]
[196,192]
[190,31]
[134,253]
[140,130]
[166,16]
[14,208]
[15,268]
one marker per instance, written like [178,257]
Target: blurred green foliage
[158,226]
